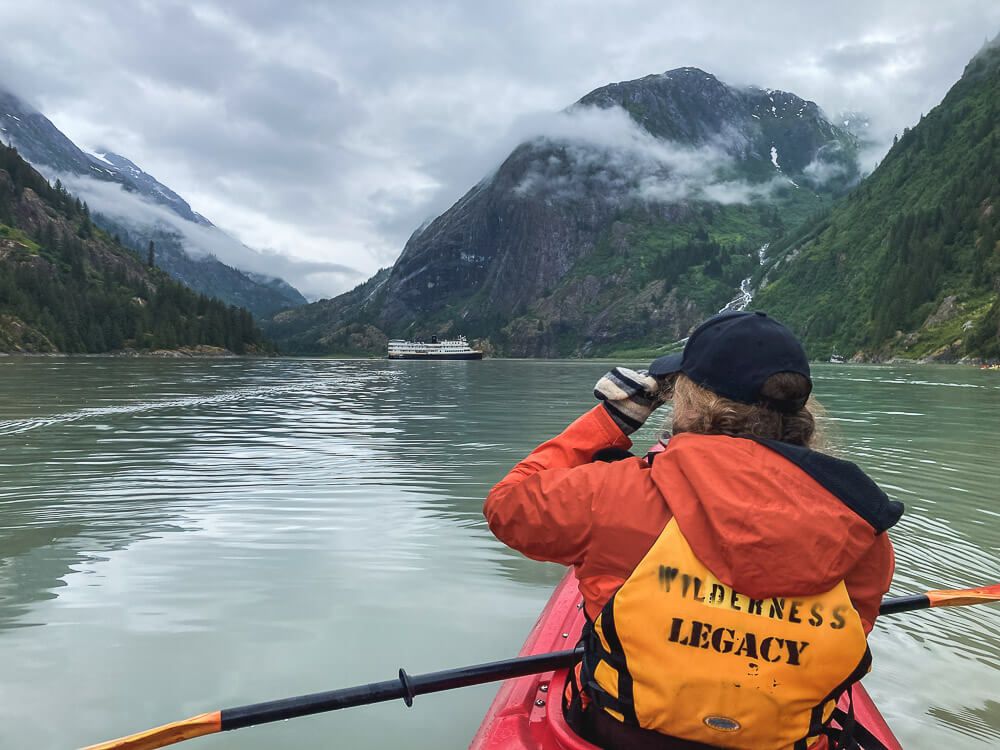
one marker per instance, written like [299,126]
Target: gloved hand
[630,396]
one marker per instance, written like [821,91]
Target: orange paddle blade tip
[168,734]
[958,597]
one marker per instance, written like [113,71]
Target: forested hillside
[66,286]
[908,264]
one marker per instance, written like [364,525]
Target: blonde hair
[699,410]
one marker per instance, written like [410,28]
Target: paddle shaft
[943,598]
[406,687]
[904,604]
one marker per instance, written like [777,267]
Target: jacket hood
[769,518]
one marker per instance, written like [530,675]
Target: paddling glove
[629,396]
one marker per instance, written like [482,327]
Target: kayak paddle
[407,686]
[942,598]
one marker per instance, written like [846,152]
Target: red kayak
[527,714]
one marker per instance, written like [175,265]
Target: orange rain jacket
[761,524]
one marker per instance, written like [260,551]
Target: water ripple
[249,529]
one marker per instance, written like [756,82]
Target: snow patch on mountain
[100,157]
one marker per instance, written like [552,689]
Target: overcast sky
[328,131]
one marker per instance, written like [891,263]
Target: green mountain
[66,286]
[638,215]
[907,265]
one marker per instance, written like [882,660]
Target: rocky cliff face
[48,149]
[636,216]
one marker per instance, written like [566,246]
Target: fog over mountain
[134,206]
[200,238]
[330,132]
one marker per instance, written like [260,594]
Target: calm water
[181,536]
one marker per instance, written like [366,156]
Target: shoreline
[219,353]
[197,352]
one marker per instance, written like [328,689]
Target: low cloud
[604,152]
[819,173]
[830,165]
[738,191]
[310,277]
[278,122]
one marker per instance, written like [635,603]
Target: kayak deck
[527,712]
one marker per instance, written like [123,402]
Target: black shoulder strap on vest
[844,480]
[850,735]
[594,653]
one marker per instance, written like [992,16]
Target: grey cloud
[820,172]
[604,149]
[861,56]
[332,130]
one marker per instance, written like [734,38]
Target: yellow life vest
[677,651]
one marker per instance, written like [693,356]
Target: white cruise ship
[444,349]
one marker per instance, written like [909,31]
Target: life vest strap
[849,734]
[817,724]
[594,653]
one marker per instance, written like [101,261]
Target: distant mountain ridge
[46,147]
[639,217]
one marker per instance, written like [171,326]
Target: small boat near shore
[527,715]
[457,348]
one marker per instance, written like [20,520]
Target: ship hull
[456,355]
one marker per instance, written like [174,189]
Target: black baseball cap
[734,353]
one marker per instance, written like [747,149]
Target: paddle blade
[958,597]
[168,734]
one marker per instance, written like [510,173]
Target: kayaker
[730,580]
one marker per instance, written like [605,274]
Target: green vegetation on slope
[66,286]
[694,262]
[907,264]
[644,268]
